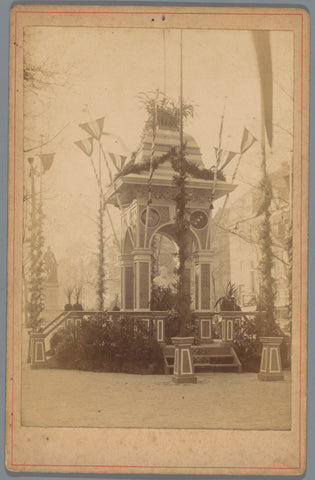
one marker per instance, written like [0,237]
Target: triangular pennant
[94,128]
[108,168]
[247,140]
[224,157]
[86,146]
[47,160]
[117,160]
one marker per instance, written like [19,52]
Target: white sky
[105,69]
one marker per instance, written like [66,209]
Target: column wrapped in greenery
[172,115]
[183,300]
[36,271]
[267,294]
[100,288]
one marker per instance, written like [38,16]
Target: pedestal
[270,365]
[51,292]
[183,362]
[38,352]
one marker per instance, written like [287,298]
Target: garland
[190,167]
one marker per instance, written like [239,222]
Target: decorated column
[203,299]
[127,282]
[142,278]
[203,280]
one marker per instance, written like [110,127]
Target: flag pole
[41,171]
[181,102]
[112,225]
[117,198]
[208,237]
[164,58]
[154,124]
[101,266]
[228,194]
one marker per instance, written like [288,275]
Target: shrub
[172,328]
[247,346]
[101,345]
[162,298]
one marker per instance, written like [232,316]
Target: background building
[237,245]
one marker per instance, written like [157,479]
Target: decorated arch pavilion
[142,220]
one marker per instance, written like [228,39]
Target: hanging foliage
[191,168]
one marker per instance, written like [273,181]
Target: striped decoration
[86,146]
[117,160]
[94,128]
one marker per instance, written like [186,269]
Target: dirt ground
[217,401]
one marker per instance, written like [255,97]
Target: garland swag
[190,167]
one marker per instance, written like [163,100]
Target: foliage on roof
[165,108]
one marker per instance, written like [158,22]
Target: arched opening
[164,267]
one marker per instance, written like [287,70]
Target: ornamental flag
[263,52]
[47,160]
[116,150]
[118,160]
[224,157]
[94,128]
[86,146]
[247,140]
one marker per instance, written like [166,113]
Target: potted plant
[77,293]
[227,302]
[69,291]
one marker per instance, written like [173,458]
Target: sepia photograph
[156,228]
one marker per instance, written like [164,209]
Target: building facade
[237,245]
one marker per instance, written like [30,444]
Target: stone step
[214,361]
[215,365]
[229,360]
[212,355]
[209,356]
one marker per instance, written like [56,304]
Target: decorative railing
[212,326]
[224,325]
